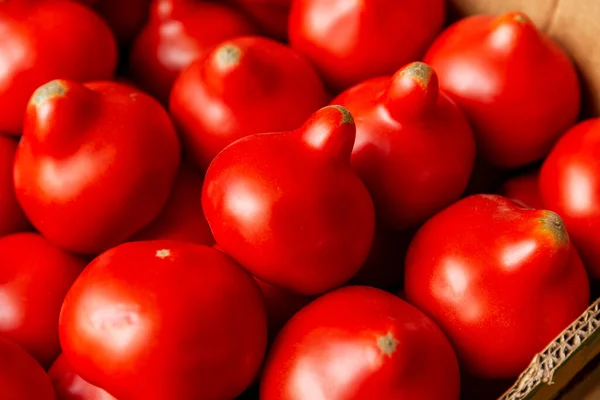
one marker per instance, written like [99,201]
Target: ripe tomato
[178,33]
[501,280]
[125,18]
[350,41]
[570,185]
[21,377]
[164,320]
[271,15]
[35,278]
[45,40]
[12,218]
[360,343]
[182,217]
[96,163]
[524,188]
[289,208]
[244,86]
[518,88]
[404,128]
[70,386]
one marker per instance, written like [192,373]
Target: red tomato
[164,320]
[96,163]
[182,217]
[570,185]
[360,343]
[518,88]
[404,128]
[244,86]
[35,278]
[271,15]
[524,188]
[21,377]
[178,33]
[126,18]
[12,218]
[44,40]
[350,41]
[501,280]
[288,206]
[70,386]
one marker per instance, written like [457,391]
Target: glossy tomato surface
[404,129]
[350,41]
[360,343]
[12,218]
[244,86]
[519,89]
[70,386]
[501,280]
[271,15]
[524,188]
[45,40]
[288,206]
[96,163]
[570,185]
[164,320]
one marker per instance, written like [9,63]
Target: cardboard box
[559,371]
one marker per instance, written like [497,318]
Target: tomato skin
[125,18]
[288,206]
[475,269]
[243,86]
[178,33]
[35,49]
[569,185]
[349,43]
[271,15]
[360,343]
[525,188]
[70,386]
[404,128]
[21,377]
[194,321]
[491,66]
[182,217]
[35,278]
[12,218]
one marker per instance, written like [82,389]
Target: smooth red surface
[570,185]
[35,277]
[45,40]
[501,280]
[164,320]
[271,15]
[12,218]
[360,343]
[414,147]
[70,386]
[524,188]
[244,86]
[178,33]
[125,17]
[21,377]
[518,88]
[350,41]
[96,163]
[288,206]
[182,217]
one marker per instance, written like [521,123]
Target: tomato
[244,86]
[44,40]
[162,320]
[21,377]
[96,163]
[35,278]
[288,206]
[271,15]
[178,33]
[349,42]
[182,217]
[524,188]
[570,185]
[12,218]
[360,343]
[501,280]
[404,128]
[70,386]
[519,89]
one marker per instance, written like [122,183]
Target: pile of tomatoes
[286,199]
